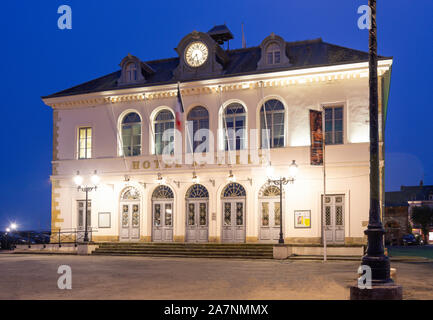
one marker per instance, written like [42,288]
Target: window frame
[343,123]
[272,113]
[273,48]
[191,141]
[86,144]
[224,139]
[155,122]
[121,124]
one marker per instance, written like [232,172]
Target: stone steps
[199,250]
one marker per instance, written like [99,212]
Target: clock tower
[200,56]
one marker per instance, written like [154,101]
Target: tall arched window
[131,134]
[164,120]
[131,72]
[198,118]
[273,54]
[272,120]
[234,124]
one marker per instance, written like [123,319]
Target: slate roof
[407,193]
[302,54]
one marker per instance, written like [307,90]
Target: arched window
[197,191]
[164,120]
[162,192]
[272,120]
[131,134]
[233,190]
[198,118]
[131,72]
[234,124]
[273,54]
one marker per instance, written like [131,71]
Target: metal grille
[130,193]
[162,192]
[328,216]
[234,190]
[197,191]
[339,215]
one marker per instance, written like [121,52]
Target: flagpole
[324,186]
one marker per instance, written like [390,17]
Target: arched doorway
[197,222]
[130,215]
[162,214]
[269,206]
[233,213]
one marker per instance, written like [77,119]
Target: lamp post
[293,170]
[86,188]
[382,286]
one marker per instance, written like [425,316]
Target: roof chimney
[421,184]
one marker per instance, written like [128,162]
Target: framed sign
[302,218]
[104,220]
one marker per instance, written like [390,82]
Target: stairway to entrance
[190,250]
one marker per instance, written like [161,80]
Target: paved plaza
[108,277]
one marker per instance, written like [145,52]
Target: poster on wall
[302,218]
[316,150]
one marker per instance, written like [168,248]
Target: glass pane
[157,215]
[203,214]
[277,56]
[227,214]
[191,214]
[276,213]
[80,218]
[125,215]
[339,137]
[270,56]
[265,214]
[135,216]
[338,113]
[339,215]
[168,215]
[239,213]
[328,216]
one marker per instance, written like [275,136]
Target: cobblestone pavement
[108,277]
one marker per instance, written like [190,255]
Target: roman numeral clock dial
[196,54]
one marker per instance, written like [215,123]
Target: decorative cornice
[276,79]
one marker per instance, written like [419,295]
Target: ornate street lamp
[86,188]
[293,170]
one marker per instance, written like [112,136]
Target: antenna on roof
[244,44]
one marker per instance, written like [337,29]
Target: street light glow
[13,226]
[293,169]
[8,230]
[78,179]
[95,179]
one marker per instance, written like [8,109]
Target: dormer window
[134,71]
[131,72]
[273,54]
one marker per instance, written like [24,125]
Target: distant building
[398,210]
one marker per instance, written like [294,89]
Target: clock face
[196,54]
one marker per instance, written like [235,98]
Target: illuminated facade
[115,125]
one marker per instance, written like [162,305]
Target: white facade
[347,164]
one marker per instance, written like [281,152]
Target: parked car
[409,239]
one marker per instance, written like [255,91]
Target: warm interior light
[78,179]
[293,169]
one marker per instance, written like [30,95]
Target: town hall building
[182,149]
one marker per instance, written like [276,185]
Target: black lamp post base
[386,291]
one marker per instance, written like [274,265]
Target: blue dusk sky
[38,59]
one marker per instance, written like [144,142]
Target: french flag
[179,109]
